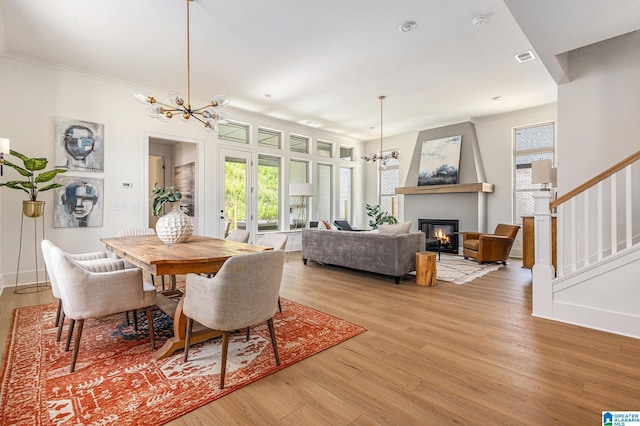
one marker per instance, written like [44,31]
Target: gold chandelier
[382,156]
[209,114]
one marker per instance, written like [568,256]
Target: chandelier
[208,114]
[382,156]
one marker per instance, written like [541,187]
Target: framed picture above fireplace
[440,161]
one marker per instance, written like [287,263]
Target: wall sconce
[5,147]
[542,173]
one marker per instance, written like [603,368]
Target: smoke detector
[479,20]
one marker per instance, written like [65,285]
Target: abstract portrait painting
[440,161]
[79,145]
[78,203]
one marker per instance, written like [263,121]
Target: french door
[236,203]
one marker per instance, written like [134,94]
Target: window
[298,173]
[346,188]
[531,143]
[269,138]
[233,132]
[389,181]
[268,193]
[323,192]
[323,149]
[299,144]
[346,153]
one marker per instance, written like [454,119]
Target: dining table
[199,255]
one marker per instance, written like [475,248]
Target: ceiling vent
[525,56]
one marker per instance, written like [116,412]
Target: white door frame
[251,209]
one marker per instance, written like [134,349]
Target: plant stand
[37,287]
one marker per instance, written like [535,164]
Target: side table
[426,268]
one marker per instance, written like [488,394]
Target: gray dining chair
[243,293]
[239,235]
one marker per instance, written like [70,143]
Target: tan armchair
[93,289]
[243,293]
[490,247]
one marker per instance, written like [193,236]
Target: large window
[531,143]
[269,138]
[389,181]
[323,192]
[298,173]
[346,189]
[268,193]
[233,132]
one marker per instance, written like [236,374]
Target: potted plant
[32,207]
[379,217]
[175,226]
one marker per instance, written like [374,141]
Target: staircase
[597,283]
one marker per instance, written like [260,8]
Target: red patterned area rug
[117,381]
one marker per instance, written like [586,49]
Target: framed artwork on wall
[79,202]
[440,161]
[183,178]
[79,145]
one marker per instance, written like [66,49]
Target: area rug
[458,270]
[117,381]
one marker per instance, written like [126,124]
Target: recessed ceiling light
[496,98]
[525,56]
[479,20]
[408,26]
[266,96]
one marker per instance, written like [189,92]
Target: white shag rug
[458,270]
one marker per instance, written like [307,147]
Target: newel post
[543,271]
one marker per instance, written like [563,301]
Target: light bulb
[176,98]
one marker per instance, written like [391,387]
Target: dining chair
[133,232]
[278,242]
[243,293]
[96,289]
[46,246]
[239,235]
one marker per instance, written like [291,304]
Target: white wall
[598,109]
[34,94]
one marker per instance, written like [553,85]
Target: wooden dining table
[200,255]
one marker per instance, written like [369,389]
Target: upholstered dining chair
[490,247]
[278,242]
[133,232]
[239,235]
[243,293]
[95,289]
[46,246]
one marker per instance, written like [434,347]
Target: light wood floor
[452,354]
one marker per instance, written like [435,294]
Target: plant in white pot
[32,207]
[175,226]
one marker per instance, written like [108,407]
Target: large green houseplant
[379,217]
[32,207]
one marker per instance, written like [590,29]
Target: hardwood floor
[451,354]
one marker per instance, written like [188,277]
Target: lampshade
[554,177]
[5,145]
[541,171]
[302,189]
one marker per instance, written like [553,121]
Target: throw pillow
[401,228]
[326,224]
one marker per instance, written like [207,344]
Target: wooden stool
[426,268]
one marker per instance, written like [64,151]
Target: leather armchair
[490,247]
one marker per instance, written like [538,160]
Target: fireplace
[442,234]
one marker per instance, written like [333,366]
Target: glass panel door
[236,205]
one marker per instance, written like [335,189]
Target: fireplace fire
[442,234]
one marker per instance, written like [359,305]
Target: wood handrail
[596,179]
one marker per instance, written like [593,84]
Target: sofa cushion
[400,228]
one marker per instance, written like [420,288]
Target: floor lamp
[304,191]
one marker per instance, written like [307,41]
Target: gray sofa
[393,255]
